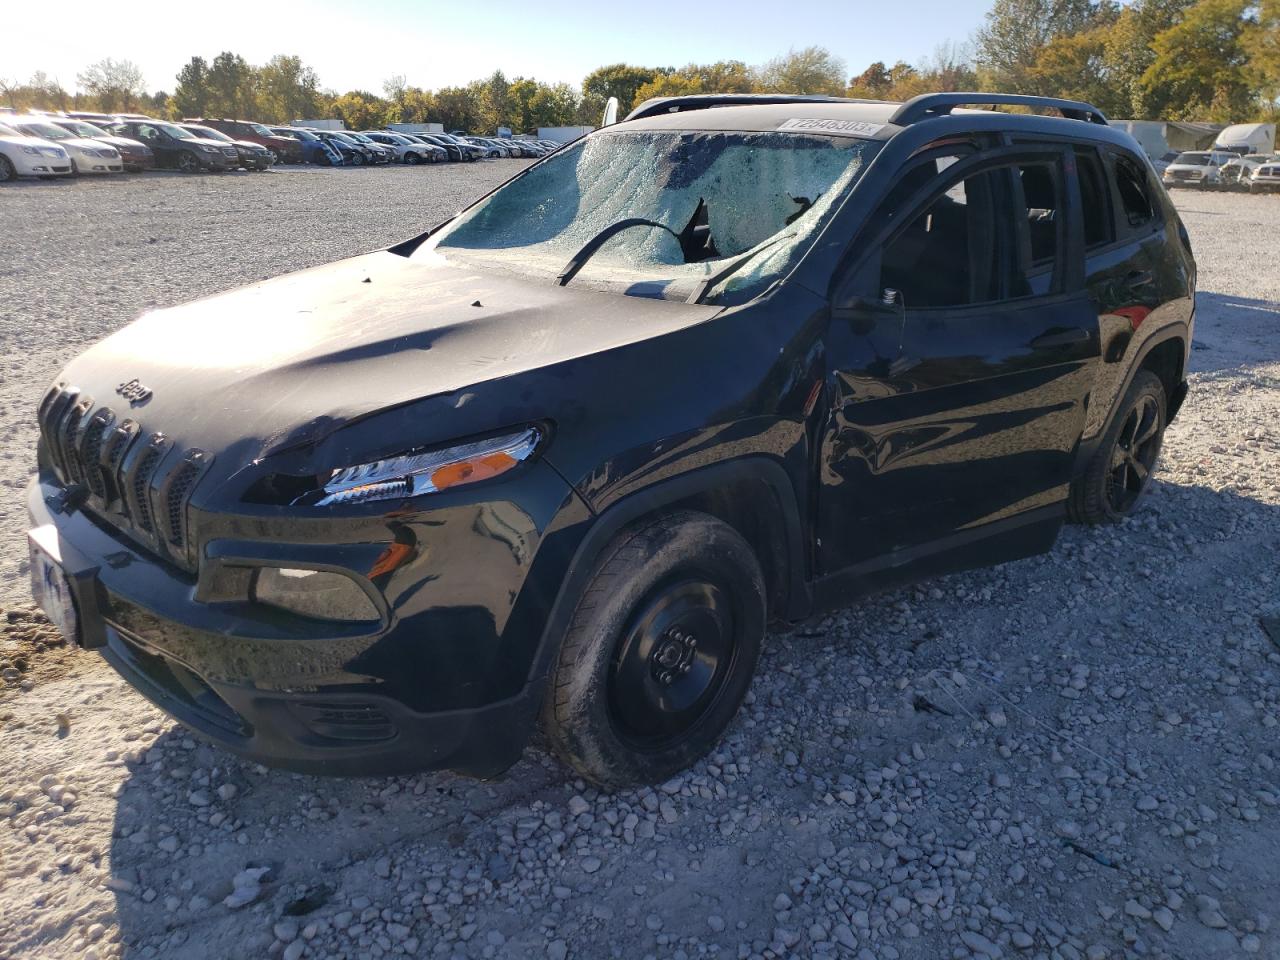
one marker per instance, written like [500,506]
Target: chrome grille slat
[134,485]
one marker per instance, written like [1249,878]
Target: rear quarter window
[1138,208]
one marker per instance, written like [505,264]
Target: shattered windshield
[721,215]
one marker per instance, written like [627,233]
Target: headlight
[313,593]
[32,150]
[210,149]
[412,474]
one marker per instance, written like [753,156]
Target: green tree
[723,76]
[287,90]
[115,85]
[231,83]
[621,80]
[359,110]
[1199,68]
[1262,45]
[811,70]
[1017,30]
[191,95]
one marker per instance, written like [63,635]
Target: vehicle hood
[124,144]
[82,143]
[286,362]
[249,145]
[30,142]
[1190,166]
[206,142]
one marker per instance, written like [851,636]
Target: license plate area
[50,585]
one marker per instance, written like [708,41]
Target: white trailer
[416,127]
[1247,138]
[320,124]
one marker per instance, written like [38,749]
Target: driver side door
[957,406]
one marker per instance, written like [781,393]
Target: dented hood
[289,360]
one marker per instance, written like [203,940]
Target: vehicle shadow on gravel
[1060,736]
[1232,332]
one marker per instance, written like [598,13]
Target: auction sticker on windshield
[850,128]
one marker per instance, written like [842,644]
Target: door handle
[1060,338]
[1139,278]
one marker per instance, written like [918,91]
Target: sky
[357,45]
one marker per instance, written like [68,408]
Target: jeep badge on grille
[135,392]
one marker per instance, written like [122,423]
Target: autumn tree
[115,85]
[621,80]
[723,76]
[811,70]
[1016,31]
[287,89]
[1199,70]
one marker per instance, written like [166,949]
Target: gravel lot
[1073,756]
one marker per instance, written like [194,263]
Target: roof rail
[702,101]
[929,105]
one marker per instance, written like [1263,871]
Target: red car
[285,149]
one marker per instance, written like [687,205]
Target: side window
[1135,196]
[1095,199]
[147,132]
[948,254]
[1040,207]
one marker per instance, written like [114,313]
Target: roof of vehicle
[868,119]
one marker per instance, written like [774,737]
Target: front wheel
[412,158]
[1119,474]
[7,170]
[660,651]
[357,159]
[188,162]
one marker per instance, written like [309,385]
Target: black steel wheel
[188,162]
[660,651]
[7,171]
[1119,474]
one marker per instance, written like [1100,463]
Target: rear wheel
[660,652]
[1120,472]
[7,171]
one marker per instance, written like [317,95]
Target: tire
[412,158]
[357,160]
[188,162]
[1120,472]
[659,653]
[7,171]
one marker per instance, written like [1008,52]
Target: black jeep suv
[562,458]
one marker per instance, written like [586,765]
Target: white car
[1196,168]
[406,150]
[1267,176]
[23,156]
[87,156]
[1237,171]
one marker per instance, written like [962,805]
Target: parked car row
[54,145]
[1223,170]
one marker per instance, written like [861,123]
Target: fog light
[318,594]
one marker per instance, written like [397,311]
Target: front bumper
[305,695]
[27,165]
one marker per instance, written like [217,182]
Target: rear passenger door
[1124,235]
[959,405]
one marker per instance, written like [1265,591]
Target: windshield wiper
[588,249]
[705,287]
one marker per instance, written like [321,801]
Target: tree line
[1155,59]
